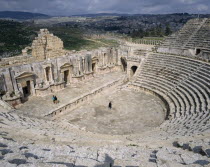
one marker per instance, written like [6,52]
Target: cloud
[70,7]
[202,7]
[188,1]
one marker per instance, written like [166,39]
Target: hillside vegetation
[15,36]
[22,15]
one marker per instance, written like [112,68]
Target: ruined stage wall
[50,68]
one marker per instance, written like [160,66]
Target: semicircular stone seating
[185,84]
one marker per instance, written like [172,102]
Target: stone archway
[94,67]
[197,51]
[48,73]
[26,83]
[133,70]
[66,72]
[94,64]
[124,64]
[47,70]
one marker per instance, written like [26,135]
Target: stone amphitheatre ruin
[160,97]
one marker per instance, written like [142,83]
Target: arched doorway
[94,67]
[66,72]
[197,51]
[66,76]
[94,64]
[26,89]
[133,70]
[47,70]
[26,83]
[124,64]
[48,73]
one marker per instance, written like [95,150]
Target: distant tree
[168,30]
[152,32]
[146,34]
[181,20]
[137,33]
[159,31]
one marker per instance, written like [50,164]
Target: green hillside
[15,36]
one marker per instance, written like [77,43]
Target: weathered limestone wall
[46,46]
[17,60]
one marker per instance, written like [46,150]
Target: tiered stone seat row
[198,36]
[197,146]
[181,38]
[184,83]
[186,125]
[195,34]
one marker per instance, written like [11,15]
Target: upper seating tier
[192,40]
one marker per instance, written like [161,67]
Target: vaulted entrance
[93,67]
[133,70]
[26,83]
[47,73]
[66,72]
[26,89]
[94,64]
[66,76]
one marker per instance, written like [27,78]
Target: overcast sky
[71,7]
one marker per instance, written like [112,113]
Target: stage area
[132,112]
[40,106]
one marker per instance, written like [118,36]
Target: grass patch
[109,42]
[132,145]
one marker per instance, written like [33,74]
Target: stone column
[103,59]
[106,59]
[79,64]
[90,63]
[128,70]
[51,75]
[119,54]
[116,58]
[62,76]
[2,80]
[15,87]
[45,75]
[83,65]
[32,87]
[86,64]
[77,70]
[20,88]
[111,56]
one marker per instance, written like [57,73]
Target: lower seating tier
[185,84]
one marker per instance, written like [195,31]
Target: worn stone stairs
[195,32]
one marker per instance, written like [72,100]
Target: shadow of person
[109,162]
